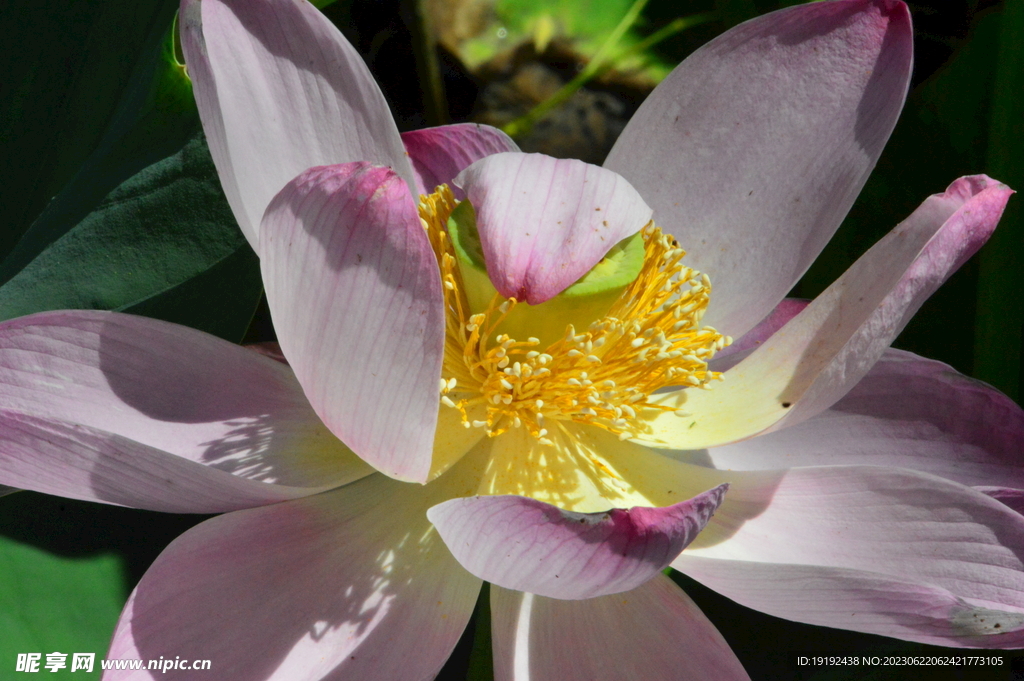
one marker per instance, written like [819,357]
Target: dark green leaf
[481,658]
[164,244]
[155,117]
[1000,316]
[77,76]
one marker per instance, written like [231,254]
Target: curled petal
[731,355]
[356,296]
[532,634]
[439,154]
[279,90]
[545,222]
[754,197]
[527,545]
[908,412]
[878,527]
[1008,496]
[138,412]
[325,587]
[824,351]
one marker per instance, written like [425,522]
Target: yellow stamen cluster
[649,339]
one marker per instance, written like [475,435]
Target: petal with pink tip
[439,154]
[355,292]
[908,412]
[330,586]
[139,412]
[753,150]
[527,545]
[824,351]
[900,526]
[731,355]
[531,635]
[545,222]
[280,90]
[895,524]
[859,600]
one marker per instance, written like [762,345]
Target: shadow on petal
[326,587]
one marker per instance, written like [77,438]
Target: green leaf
[56,604]
[587,23]
[481,659]
[77,76]
[164,243]
[586,20]
[155,117]
[114,237]
[1000,317]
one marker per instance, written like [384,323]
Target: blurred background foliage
[109,200]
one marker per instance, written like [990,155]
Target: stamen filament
[649,339]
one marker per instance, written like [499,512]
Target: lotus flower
[475,391]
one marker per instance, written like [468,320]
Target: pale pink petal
[527,545]
[545,222]
[731,355]
[139,412]
[439,154]
[846,329]
[892,525]
[908,412]
[859,600]
[651,633]
[352,584]
[271,349]
[355,292]
[752,151]
[1008,496]
[824,351]
[69,460]
[279,90]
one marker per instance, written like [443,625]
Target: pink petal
[742,347]
[546,222]
[892,525]
[908,412]
[848,327]
[1008,496]
[752,151]
[138,412]
[348,584]
[356,296]
[824,351]
[279,90]
[271,349]
[859,600]
[652,632]
[527,545]
[439,154]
